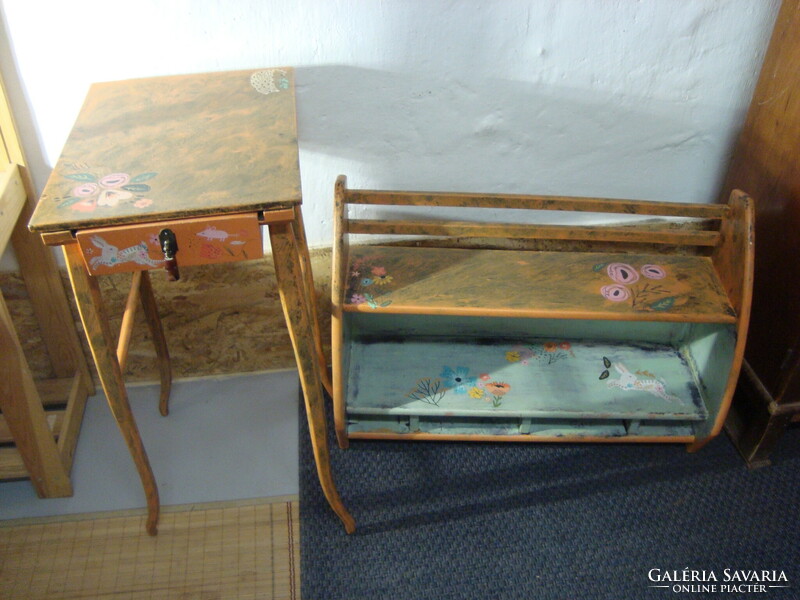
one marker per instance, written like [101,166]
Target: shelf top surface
[178,146]
[586,285]
[538,378]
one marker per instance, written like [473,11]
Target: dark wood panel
[766,164]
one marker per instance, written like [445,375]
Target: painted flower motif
[653,271]
[615,292]
[87,205]
[109,190]
[513,356]
[112,197]
[366,282]
[383,279]
[87,189]
[498,388]
[379,271]
[209,251]
[114,180]
[550,346]
[622,273]
[457,379]
[485,377]
[565,345]
[357,299]
[355,273]
[153,239]
[476,393]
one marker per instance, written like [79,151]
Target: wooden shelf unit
[40,419]
[470,330]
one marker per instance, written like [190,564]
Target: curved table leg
[101,343]
[308,279]
[150,307]
[294,298]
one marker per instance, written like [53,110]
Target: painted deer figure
[628,381]
[111,255]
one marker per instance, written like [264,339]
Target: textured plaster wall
[618,98]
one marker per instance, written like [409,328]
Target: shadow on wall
[414,130]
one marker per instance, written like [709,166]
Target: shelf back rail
[701,232]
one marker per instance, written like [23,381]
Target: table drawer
[201,241]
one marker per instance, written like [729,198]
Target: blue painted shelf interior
[549,377]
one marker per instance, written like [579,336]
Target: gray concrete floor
[229,438]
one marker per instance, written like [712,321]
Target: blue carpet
[497,521]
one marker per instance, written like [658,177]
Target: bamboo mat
[246,551]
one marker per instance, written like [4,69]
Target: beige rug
[218,551]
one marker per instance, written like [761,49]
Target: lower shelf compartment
[534,386]
[537,430]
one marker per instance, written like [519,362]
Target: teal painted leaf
[604,374]
[143,177]
[81,177]
[385,304]
[598,267]
[606,362]
[68,202]
[663,304]
[136,187]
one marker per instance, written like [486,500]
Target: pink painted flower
[485,376]
[615,292]
[358,299]
[85,189]
[143,203]
[622,273]
[379,271]
[653,272]
[114,180]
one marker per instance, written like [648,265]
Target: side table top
[180,146]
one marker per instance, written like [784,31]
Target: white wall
[618,98]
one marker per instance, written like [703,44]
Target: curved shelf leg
[695,446]
[101,343]
[294,298]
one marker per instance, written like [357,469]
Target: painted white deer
[628,381]
[111,255]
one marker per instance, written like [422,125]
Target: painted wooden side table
[177,171]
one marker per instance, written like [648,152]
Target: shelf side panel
[710,353]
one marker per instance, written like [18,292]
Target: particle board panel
[218,320]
